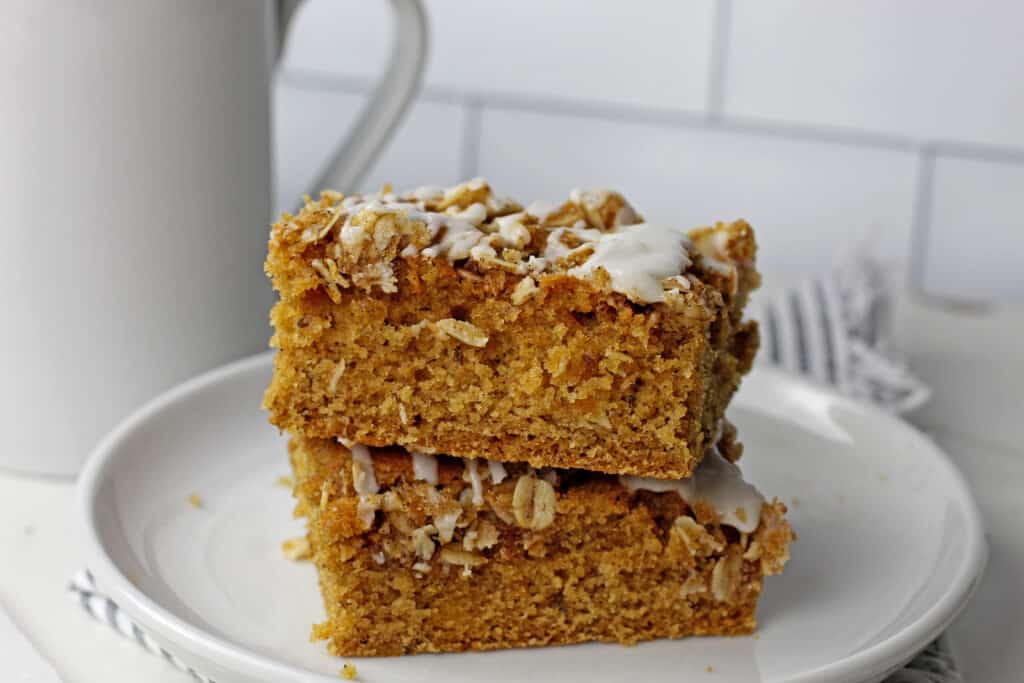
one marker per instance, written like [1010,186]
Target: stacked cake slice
[508,424]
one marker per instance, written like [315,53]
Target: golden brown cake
[455,321]
[419,553]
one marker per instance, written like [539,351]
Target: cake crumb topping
[594,231]
[716,481]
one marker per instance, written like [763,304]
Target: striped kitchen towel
[830,328]
[833,329]
[82,590]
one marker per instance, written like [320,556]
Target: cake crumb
[297,549]
[195,501]
[710,669]
[348,672]
[285,481]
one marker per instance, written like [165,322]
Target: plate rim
[876,660]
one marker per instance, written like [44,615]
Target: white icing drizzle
[474,213]
[497,470]
[482,252]
[474,481]
[365,482]
[637,258]
[512,231]
[541,209]
[717,481]
[424,467]
[555,249]
[459,237]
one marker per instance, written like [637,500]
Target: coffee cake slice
[455,321]
[418,553]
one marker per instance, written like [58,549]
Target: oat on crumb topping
[725,577]
[526,288]
[533,503]
[463,559]
[423,542]
[467,333]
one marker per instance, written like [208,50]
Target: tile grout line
[718,63]
[611,111]
[469,140]
[678,118]
[921,218]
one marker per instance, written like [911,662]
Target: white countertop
[973,361]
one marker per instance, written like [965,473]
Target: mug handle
[390,99]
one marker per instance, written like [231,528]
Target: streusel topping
[595,235]
[716,481]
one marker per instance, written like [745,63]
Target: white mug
[136,172]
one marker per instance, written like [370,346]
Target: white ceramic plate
[890,547]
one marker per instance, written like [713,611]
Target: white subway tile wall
[823,124]
[974,203]
[943,69]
